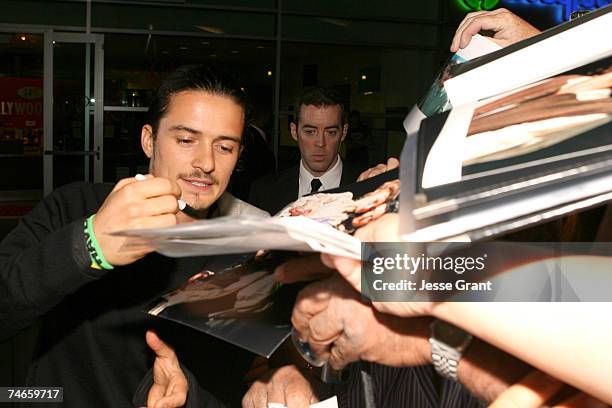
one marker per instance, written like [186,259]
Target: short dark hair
[193,78]
[318,96]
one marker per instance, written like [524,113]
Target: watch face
[449,334]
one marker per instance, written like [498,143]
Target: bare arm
[569,341]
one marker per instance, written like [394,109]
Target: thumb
[156,344]
[349,269]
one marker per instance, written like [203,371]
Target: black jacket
[92,334]
[272,193]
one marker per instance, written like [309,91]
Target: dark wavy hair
[193,78]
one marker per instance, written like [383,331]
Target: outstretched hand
[391,164]
[384,229]
[170,385]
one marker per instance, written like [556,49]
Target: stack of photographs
[505,161]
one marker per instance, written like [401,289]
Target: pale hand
[150,203]
[507,28]
[391,164]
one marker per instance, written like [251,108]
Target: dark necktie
[315,185]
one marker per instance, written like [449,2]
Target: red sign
[21,102]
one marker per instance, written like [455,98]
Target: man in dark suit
[319,129]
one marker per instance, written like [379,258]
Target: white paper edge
[479,45]
[511,209]
[444,162]
[412,122]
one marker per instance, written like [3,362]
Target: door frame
[97,153]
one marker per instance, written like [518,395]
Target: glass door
[21,121]
[73,108]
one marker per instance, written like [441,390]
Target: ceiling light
[183,48]
[235,51]
[22,37]
[364,77]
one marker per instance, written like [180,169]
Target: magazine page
[541,121]
[242,303]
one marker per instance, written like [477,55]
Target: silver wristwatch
[448,343]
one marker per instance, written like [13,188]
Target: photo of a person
[538,116]
[237,291]
[341,211]
[328,208]
[377,203]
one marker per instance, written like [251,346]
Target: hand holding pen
[135,202]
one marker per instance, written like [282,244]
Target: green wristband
[95,252]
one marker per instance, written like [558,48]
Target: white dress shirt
[329,179]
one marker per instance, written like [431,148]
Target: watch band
[448,343]
[445,359]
